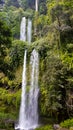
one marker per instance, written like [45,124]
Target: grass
[45,127]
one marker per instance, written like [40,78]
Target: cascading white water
[29,30]
[22,112]
[33,93]
[22,115]
[28,115]
[23,29]
[36,5]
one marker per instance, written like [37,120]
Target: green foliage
[17,53]
[42,7]
[4,17]
[4,116]
[41,46]
[11,3]
[41,23]
[71,128]
[43,100]
[25,4]
[53,80]
[67,58]
[5,44]
[13,16]
[67,123]
[9,100]
[47,127]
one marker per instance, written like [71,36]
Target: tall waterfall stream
[28,115]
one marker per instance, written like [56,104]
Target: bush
[71,128]
[67,123]
[47,127]
[9,100]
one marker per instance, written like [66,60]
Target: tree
[5,43]
[12,3]
[42,7]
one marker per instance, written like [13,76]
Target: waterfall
[22,114]
[29,30]
[23,35]
[33,93]
[28,115]
[36,5]
[23,29]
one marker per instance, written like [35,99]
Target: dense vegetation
[53,40]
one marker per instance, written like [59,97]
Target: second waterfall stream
[28,115]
